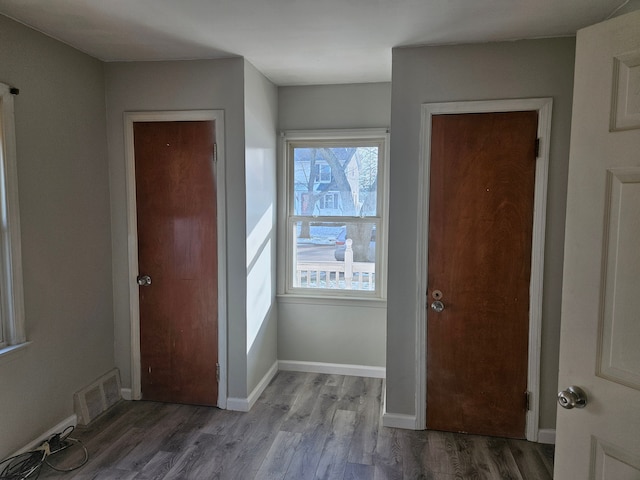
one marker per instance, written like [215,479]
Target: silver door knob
[437,306]
[572,397]
[144,280]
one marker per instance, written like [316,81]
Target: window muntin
[334,216]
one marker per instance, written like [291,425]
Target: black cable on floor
[27,465]
[23,466]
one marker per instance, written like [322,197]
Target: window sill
[8,354]
[328,300]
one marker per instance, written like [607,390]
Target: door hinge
[537,147]
[215,153]
[527,401]
[218,372]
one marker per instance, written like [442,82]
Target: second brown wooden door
[482,178]
[177,249]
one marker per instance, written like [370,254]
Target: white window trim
[332,296]
[11,290]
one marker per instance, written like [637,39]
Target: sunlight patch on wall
[259,293]
[261,232]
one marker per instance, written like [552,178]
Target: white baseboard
[126,393]
[547,435]
[71,421]
[332,368]
[245,404]
[238,404]
[399,420]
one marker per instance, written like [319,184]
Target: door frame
[543,106]
[217,116]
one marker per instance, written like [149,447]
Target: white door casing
[600,326]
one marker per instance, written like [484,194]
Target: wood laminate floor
[304,426]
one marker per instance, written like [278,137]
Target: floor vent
[98,397]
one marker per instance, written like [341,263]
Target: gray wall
[364,105]
[536,68]
[324,331]
[261,116]
[64,214]
[187,85]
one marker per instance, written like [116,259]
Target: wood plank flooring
[304,426]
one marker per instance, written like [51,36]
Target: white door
[600,338]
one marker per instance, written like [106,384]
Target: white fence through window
[347,275]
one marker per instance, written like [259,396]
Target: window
[335,213]
[323,173]
[11,297]
[329,201]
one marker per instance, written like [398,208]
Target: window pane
[335,181]
[338,256]
[11,297]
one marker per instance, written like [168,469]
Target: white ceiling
[297,42]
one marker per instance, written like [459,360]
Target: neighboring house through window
[335,212]
[12,331]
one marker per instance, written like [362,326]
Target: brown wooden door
[480,231]
[177,248]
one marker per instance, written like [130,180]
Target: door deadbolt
[144,280]
[437,295]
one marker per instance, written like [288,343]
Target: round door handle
[572,397]
[144,280]
[437,306]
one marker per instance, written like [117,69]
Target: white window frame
[299,138]
[11,290]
